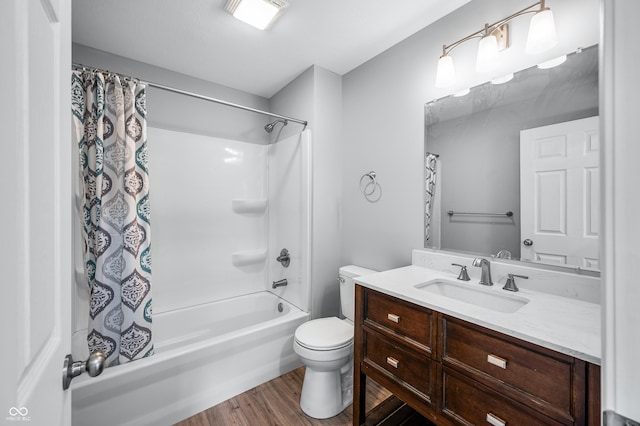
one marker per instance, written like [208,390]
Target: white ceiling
[198,38]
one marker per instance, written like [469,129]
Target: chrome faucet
[485,278]
[280,283]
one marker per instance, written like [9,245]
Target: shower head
[269,127]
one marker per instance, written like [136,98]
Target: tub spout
[279,283]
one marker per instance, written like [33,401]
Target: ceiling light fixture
[257,13]
[495,37]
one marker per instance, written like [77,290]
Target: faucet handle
[511,282]
[463,276]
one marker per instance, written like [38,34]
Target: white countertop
[563,324]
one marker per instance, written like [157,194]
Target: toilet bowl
[325,347]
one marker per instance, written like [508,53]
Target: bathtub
[203,356]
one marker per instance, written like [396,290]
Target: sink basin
[482,297]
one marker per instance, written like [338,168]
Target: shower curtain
[431,162]
[109,118]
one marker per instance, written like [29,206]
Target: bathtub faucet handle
[279,283]
[284,257]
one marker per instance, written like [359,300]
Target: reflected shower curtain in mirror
[109,120]
[431,167]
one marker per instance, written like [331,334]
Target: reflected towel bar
[507,214]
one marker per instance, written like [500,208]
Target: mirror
[477,138]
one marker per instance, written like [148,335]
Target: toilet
[325,347]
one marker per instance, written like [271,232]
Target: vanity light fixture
[257,13]
[495,37]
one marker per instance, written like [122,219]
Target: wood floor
[276,403]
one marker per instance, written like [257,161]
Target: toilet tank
[346,276]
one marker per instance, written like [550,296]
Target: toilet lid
[325,334]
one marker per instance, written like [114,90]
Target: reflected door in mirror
[559,177]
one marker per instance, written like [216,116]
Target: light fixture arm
[488,28]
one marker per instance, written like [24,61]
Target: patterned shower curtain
[109,117]
[431,161]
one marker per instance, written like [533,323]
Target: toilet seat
[325,334]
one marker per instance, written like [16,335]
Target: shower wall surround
[221,211]
[196,179]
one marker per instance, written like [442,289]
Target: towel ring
[371,189]
[365,189]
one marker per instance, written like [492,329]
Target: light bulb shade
[445,75]
[542,33]
[487,54]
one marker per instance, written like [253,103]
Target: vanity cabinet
[457,373]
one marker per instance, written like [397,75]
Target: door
[559,193]
[35,189]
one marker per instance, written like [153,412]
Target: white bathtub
[204,355]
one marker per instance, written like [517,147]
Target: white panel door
[559,193]
[35,189]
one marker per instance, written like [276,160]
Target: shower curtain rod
[304,123]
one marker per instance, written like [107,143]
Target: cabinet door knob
[393,317]
[393,362]
[497,361]
[495,420]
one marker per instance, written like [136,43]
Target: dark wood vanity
[453,372]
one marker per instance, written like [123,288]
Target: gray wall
[383,103]
[316,96]
[181,113]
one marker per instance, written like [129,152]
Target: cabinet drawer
[411,321]
[467,402]
[405,364]
[542,373]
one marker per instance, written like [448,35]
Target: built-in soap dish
[245,205]
[248,257]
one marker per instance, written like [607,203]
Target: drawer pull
[497,361]
[495,420]
[393,362]
[393,317]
